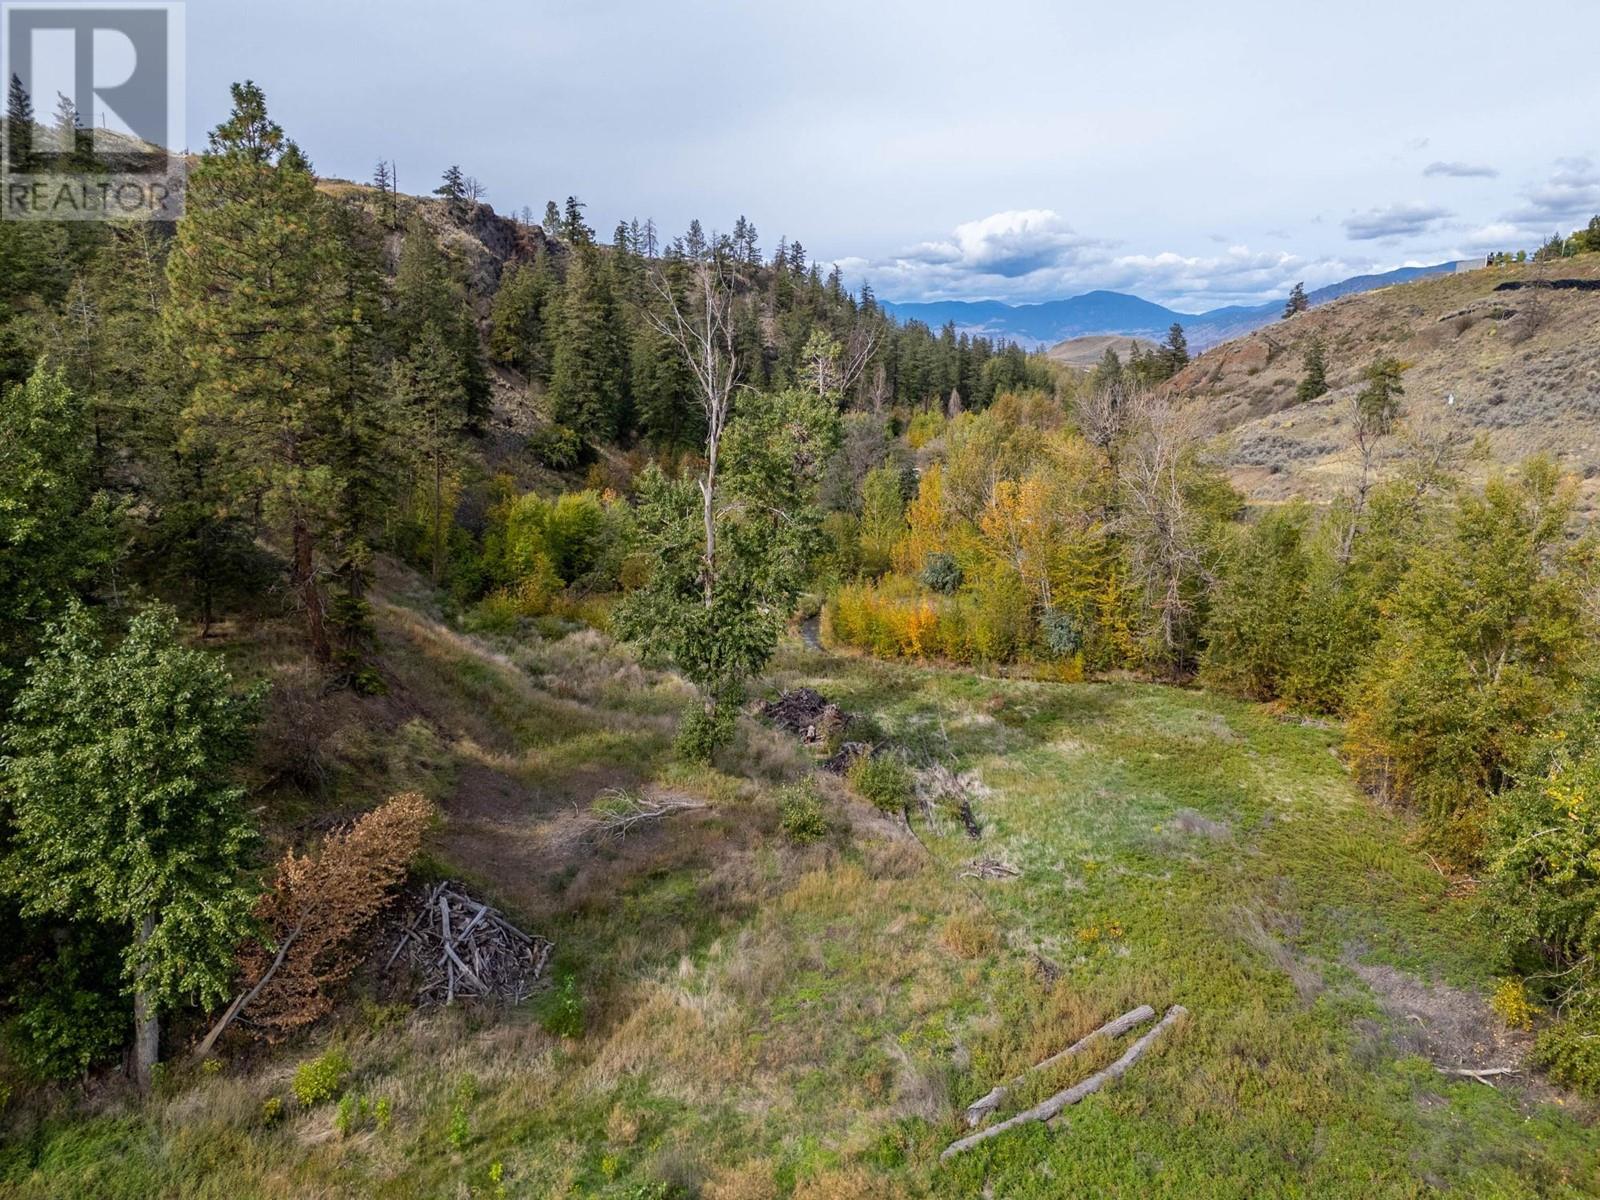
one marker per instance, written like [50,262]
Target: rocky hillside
[1507,358]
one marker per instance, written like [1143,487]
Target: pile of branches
[806,713]
[461,949]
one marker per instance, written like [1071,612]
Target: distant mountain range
[1101,312]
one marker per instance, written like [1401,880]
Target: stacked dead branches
[459,948]
[808,714]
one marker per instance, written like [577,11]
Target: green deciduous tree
[117,780]
[1479,643]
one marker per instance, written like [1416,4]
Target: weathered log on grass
[1117,1026]
[1049,1109]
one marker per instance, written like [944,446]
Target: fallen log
[243,1000]
[1049,1109]
[984,1105]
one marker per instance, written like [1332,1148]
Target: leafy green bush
[560,1009]
[883,780]
[557,447]
[700,732]
[1570,1051]
[800,814]
[321,1079]
[69,1015]
[1480,644]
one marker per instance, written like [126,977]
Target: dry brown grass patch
[968,936]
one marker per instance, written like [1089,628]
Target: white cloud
[1034,254]
[1010,244]
[1406,219]
[1570,194]
[1461,170]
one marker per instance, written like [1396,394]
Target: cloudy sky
[1195,153]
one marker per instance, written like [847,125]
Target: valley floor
[760,1020]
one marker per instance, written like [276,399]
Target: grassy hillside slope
[1523,363]
[737,1017]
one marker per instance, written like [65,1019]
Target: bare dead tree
[1104,414]
[832,369]
[1166,547]
[702,328]
[878,390]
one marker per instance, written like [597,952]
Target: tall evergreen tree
[252,310]
[56,533]
[19,128]
[1314,382]
[428,390]
[586,377]
[552,218]
[573,227]
[1298,302]
[1174,351]
[454,191]
[428,287]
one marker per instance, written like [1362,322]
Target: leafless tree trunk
[305,582]
[1166,552]
[702,330]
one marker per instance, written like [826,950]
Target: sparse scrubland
[354,543]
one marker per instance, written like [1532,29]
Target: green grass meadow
[738,1018]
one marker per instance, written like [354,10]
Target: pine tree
[427,387]
[56,534]
[1298,301]
[663,391]
[1174,351]
[19,128]
[454,191]
[383,180]
[552,218]
[1315,381]
[364,448]
[586,379]
[428,287]
[518,314]
[694,242]
[252,310]
[572,224]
